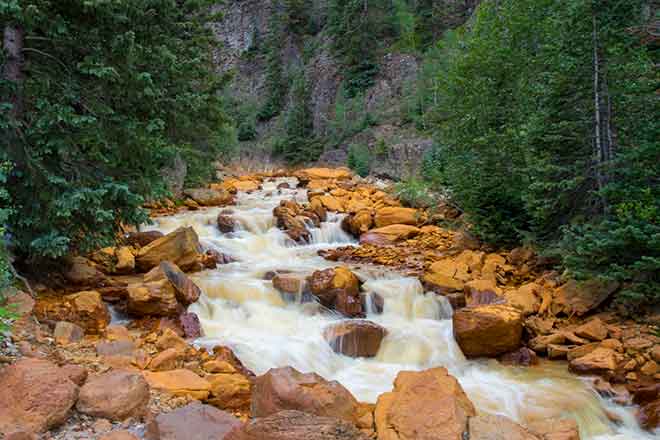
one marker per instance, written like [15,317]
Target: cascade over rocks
[290,218]
[355,338]
[36,396]
[489,330]
[296,425]
[181,247]
[424,405]
[288,389]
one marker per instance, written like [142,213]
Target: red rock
[143,238]
[599,361]
[482,292]
[36,396]
[296,425]
[424,405]
[76,373]
[491,427]
[594,330]
[194,421]
[490,330]
[191,326]
[288,389]
[523,356]
[67,333]
[186,291]
[119,435]
[355,338]
[116,395]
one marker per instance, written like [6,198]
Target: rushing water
[242,310]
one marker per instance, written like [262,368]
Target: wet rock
[85,309]
[226,223]
[290,282]
[288,389]
[599,361]
[67,333]
[192,328]
[594,330]
[210,197]
[523,356]
[36,396]
[194,421]
[491,427]
[358,223]
[389,234]
[180,247]
[116,395]
[398,216]
[337,288]
[331,203]
[296,425]
[555,429]
[355,338]
[179,383]
[427,404]
[186,291]
[143,238]
[490,330]
[283,185]
[288,218]
[157,298]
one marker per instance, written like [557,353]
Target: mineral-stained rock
[288,389]
[143,238]
[180,247]
[230,390]
[36,396]
[186,291]
[80,272]
[119,435]
[491,427]
[310,174]
[296,425]
[191,326]
[116,395]
[490,330]
[76,373]
[85,309]
[156,298]
[594,330]
[355,338]
[337,288]
[289,219]
[125,260]
[194,421]
[67,333]
[358,223]
[398,216]
[179,383]
[389,234]
[523,356]
[226,223]
[598,361]
[425,405]
[526,298]
[289,282]
[210,197]
[579,298]
[481,292]
[555,429]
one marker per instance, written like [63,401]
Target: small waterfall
[330,233]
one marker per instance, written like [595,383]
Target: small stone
[116,332]
[632,376]
[650,368]
[613,344]
[166,360]
[102,425]
[66,333]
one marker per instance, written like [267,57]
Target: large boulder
[489,330]
[290,282]
[398,216]
[355,338]
[526,298]
[142,238]
[82,273]
[389,234]
[286,388]
[337,288]
[179,383]
[181,247]
[296,425]
[85,309]
[578,298]
[358,223]
[157,298]
[555,429]
[288,216]
[598,361]
[36,396]
[210,197]
[450,274]
[309,174]
[116,395]
[186,291]
[424,405]
[194,421]
[490,427]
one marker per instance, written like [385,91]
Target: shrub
[359,159]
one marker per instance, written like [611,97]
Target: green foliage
[113,91]
[515,118]
[415,193]
[349,119]
[359,159]
[275,78]
[406,26]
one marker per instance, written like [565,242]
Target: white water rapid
[243,311]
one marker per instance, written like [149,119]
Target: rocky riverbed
[311,304]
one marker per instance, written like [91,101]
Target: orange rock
[116,395]
[526,298]
[323,174]
[180,247]
[491,427]
[231,391]
[85,309]
[389,234]
[489,330]
[594,330]
[179,383]
[425,405]
[355,337]
[599,361]
[555,429]
[403,216]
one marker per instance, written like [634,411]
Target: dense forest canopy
[543,113]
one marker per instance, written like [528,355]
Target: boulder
[210,197]
[67,333]
[81,272]
[186,291]
[490,330]
[575,298]
[594,330]
[526,298]
[450,274]
[599,361]
[481,292]
[424,405]
[331,203]
[288,218]
[194,421]
[288,389]
[226,223]
[355,338]
[555,429]
[76,373]
[491,427]
[398,216]
[358,223]
[523,357]
[230,390]
[289,282]
[296,425]
[649,415]
[125,260]
[36,396]
[180,247]
[309,174]
[157,298]
[116,395]
[143,238]
[168,359]
[190,325]
[179,383]
[337,288]
[85,309]
[389,235]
